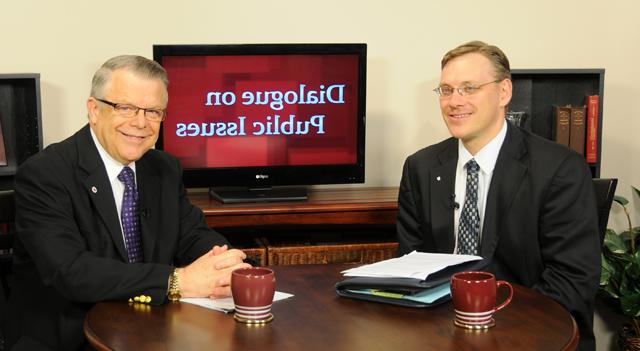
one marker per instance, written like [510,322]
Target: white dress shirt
[486,159]
[113,170]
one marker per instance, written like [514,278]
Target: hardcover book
[3,150]
[593,107]
[562,125]
[577,129]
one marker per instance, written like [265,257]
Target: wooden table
[317,319]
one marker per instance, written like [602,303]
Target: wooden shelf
[332,225]
[536,91]
[375,206]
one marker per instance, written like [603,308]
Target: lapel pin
[94,189]
[438,178]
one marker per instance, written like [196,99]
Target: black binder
[405,286]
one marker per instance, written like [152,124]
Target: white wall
[66,42]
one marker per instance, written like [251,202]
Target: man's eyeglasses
[126,110]
[464,90]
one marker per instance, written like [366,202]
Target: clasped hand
[210,275]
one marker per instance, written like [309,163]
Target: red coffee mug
[253,290]
[474,299]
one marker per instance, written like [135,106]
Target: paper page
[226,304]
[417,265]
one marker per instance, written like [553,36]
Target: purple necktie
[130,216]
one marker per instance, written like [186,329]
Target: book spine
[577,134]
[3,151]
[593,106]
[563,119]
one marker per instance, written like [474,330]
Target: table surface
[317,319]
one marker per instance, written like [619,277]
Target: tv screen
[265,115]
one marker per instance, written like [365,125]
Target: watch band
[174,286]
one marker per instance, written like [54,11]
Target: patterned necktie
[469,227]
[130,216]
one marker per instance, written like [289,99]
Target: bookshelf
[536,91]
[21,121]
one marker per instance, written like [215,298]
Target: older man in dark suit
[102,216]
[502,193]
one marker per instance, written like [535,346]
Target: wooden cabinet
[537,91]
[333,225]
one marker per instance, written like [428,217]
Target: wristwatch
[174,287]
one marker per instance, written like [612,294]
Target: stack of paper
[417,265]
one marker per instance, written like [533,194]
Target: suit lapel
[97,185]
[442,185]
[148,191]
[507,178]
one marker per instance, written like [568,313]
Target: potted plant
[620,278]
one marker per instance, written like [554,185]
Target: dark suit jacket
[69,252]
[540,226]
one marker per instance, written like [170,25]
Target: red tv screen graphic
[262,110]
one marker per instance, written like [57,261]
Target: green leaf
[611,292]
[626,236]
[614,242]
[620,275]
[621,200]
[630,275]
[615,266]
[604,276]
[605,273]
[633,269]
[626,287]
[611,276]
[634,233]
[631,304]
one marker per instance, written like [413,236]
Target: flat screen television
[255,122]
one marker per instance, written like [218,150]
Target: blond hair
[498,59]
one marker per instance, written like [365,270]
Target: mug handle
[506,302]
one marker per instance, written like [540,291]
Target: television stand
[241,195]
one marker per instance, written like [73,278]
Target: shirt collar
[488,155]
[113,167]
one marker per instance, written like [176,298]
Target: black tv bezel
[269,176]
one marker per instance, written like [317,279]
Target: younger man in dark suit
[502,193]
[102,216]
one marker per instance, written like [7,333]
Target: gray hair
[137,64]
